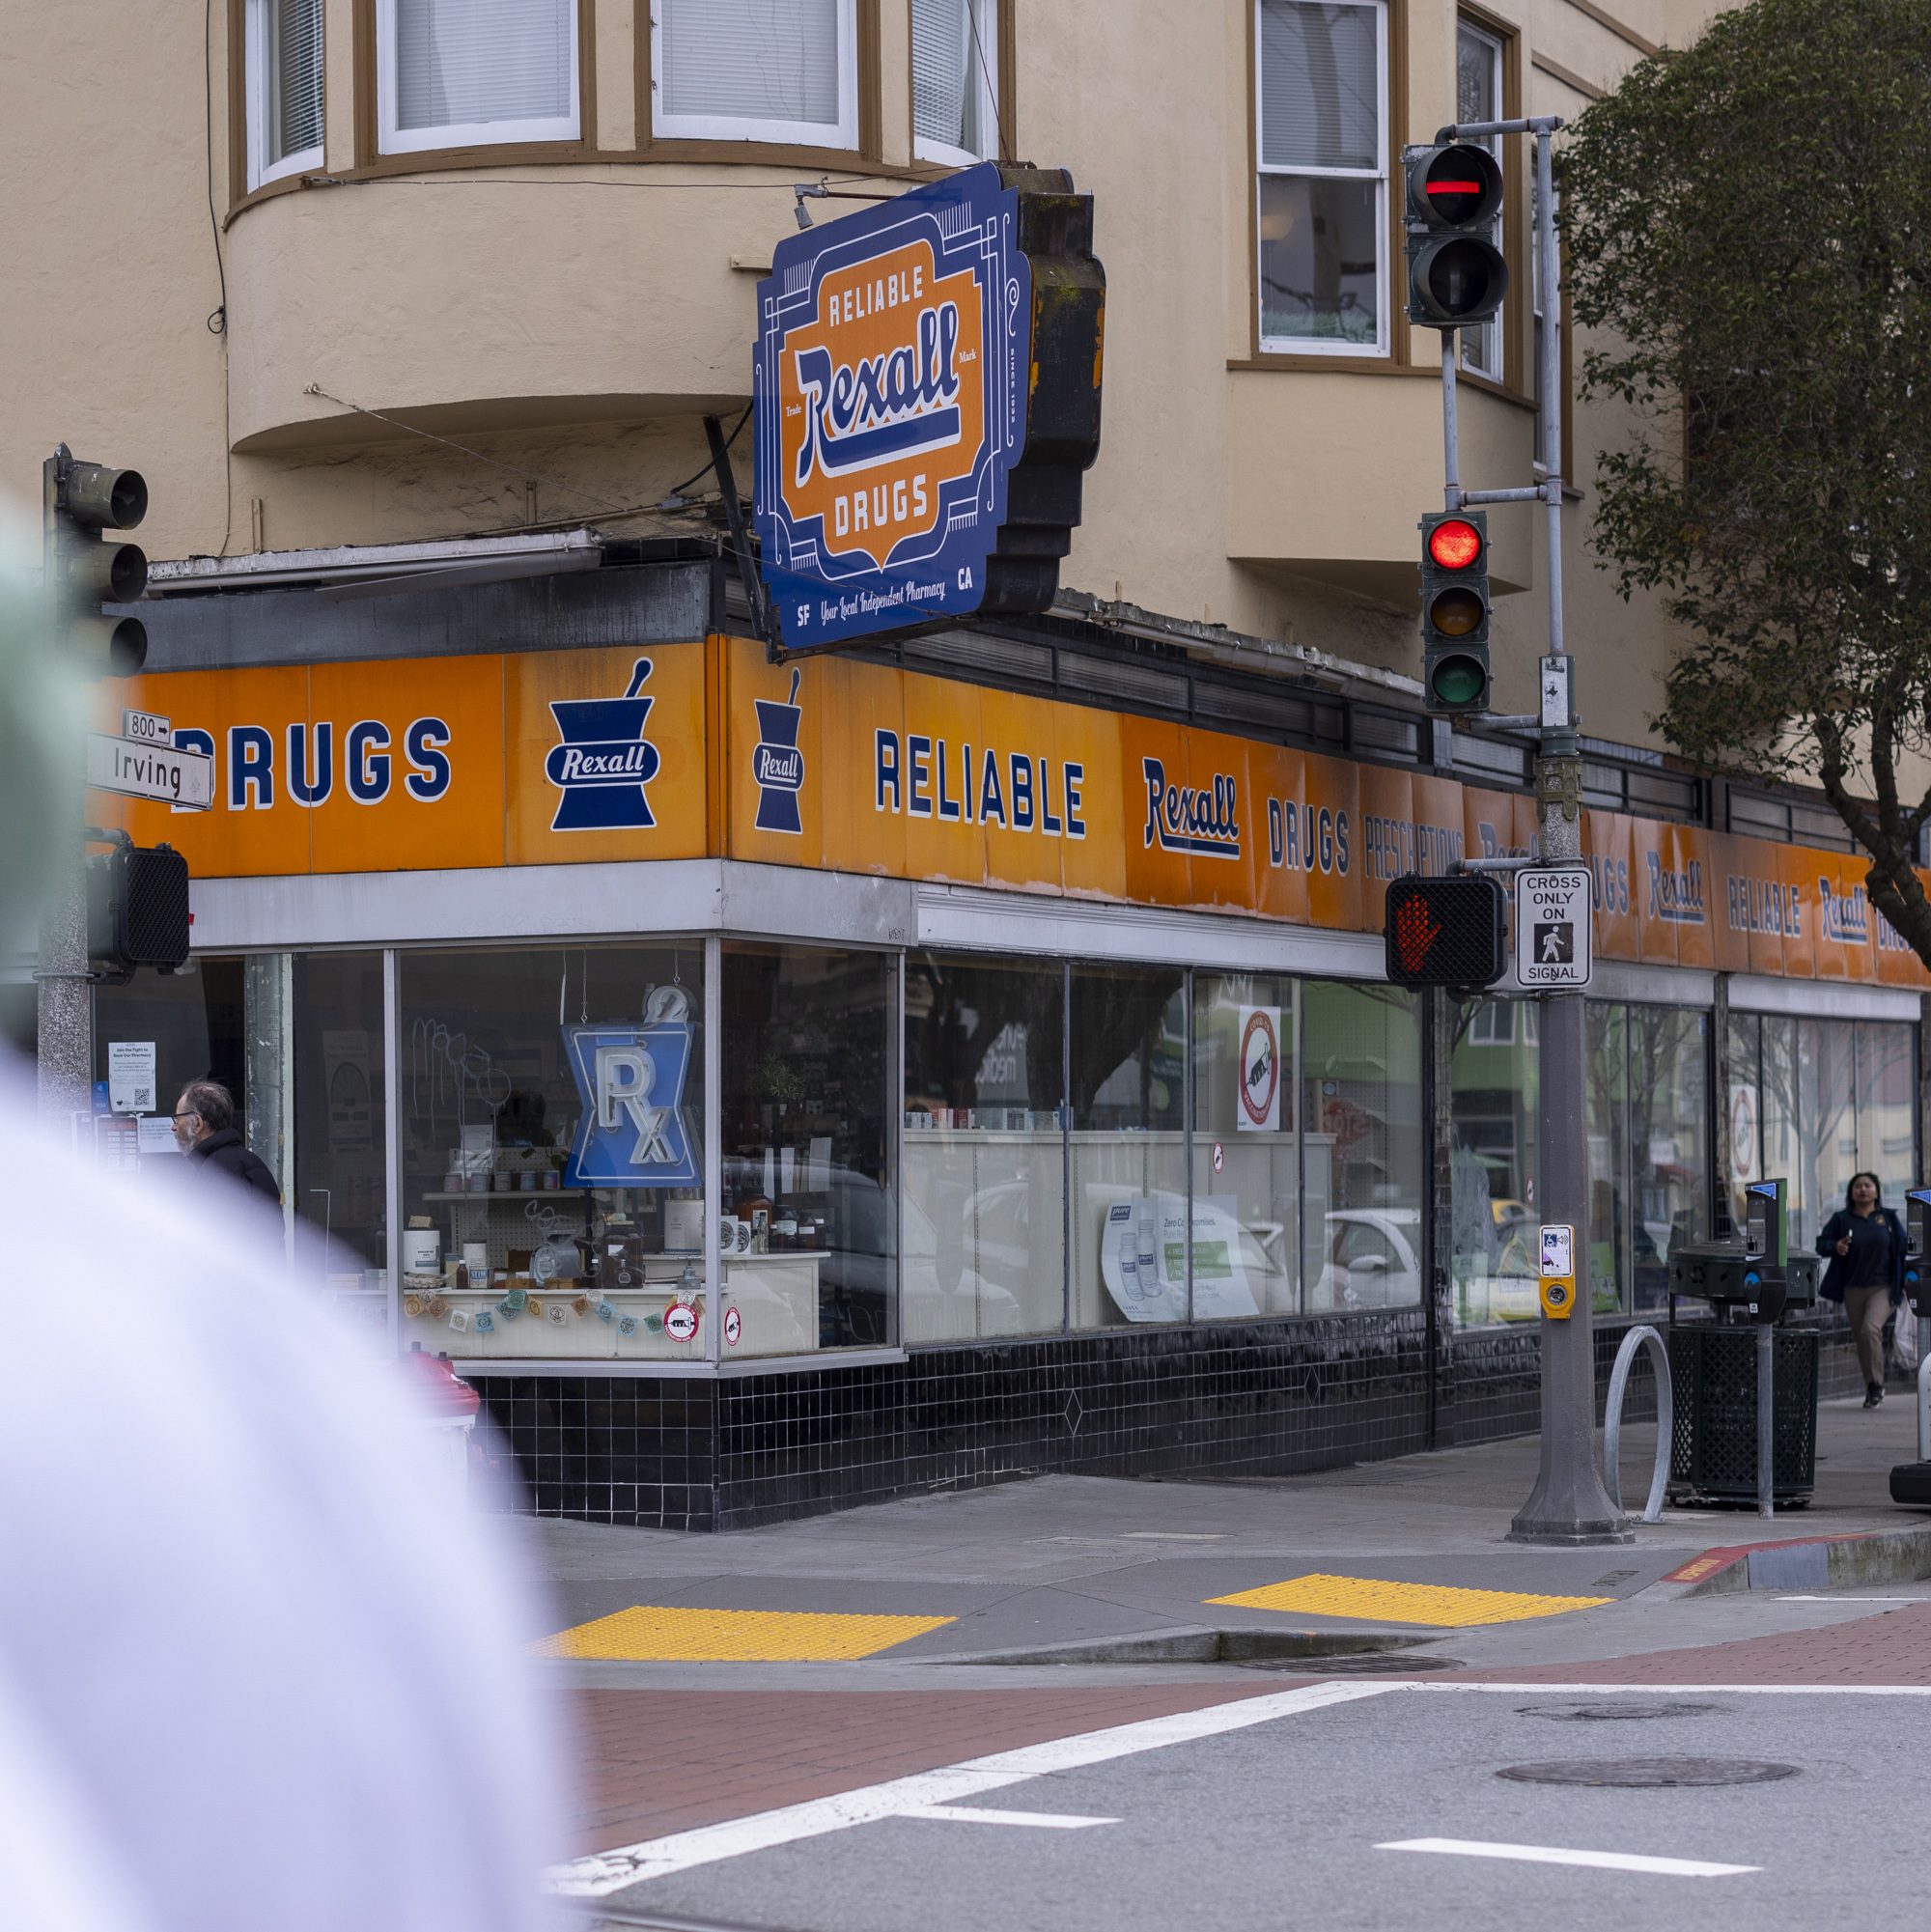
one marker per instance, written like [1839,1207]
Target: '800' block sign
[1553,941]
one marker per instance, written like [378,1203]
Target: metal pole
[64,1045]
[1766,1422]
[1924,1387]
[1569,1504]
[1451,427]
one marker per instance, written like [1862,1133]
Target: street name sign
[184,779]
[1552,938]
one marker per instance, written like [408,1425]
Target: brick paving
[1893,1648]
[662,1761]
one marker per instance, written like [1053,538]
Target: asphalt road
[1282,1823]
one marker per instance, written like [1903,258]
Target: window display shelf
[508,1195]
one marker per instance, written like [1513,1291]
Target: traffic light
[137,909]
[1456,274]
[85,569]
[1455,611]
[1445,932]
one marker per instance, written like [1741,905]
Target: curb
[1196,1644]
[1809,1562]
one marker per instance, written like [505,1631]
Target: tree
[1749,222]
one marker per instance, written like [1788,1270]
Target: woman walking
[1865,1242]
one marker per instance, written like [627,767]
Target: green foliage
[1748,221]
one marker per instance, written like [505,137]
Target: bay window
[955,52]
[284,88]
[454,74]
[777,71]
[1321,195]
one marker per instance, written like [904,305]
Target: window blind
[293,75]
[750,60]
[1320,93]
[465,63]
[952,52]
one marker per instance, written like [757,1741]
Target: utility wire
[710,467]
[217,322]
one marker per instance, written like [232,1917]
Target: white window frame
[985,80]
[391,139]
[1495,328]
[1296,345]
[255,76]
[745,127]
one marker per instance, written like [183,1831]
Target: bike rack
[1666,1419]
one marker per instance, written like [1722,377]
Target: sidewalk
[1092,1571]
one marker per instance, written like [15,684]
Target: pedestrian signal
[1445,932]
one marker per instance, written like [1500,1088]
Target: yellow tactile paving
[659,1634]
[1440,1604]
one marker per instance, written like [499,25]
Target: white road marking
[1662,1690]
[1854,1600]
[1558,1855]
[601,1873]
[978,1814]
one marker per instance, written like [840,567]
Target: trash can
[1713,1449]
[447,1406]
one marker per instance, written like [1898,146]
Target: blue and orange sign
[897,374]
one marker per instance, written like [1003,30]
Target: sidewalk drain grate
[1610,1713]
[1374,1664]
[1646,1774]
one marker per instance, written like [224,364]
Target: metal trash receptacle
[1712,1450]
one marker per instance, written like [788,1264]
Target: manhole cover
[1610,1713]
[1372,1664]
[1642,1774]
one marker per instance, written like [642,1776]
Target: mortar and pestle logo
[605,761]
[777,763]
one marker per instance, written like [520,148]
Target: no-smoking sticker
[681,1321]
[734,1327]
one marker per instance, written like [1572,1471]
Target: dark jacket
[226,1151]
[1835,1275]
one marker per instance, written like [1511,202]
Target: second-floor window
[1478,96]
[780,70]
[955,102]
[283,85]
[459,74]
[1322,194]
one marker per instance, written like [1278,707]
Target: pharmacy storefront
[785,1086]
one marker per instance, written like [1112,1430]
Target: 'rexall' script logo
[605,761]
[1201,821]
[777,763]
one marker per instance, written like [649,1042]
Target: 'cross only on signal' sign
[1554,943]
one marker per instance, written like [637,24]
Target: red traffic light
[1456,544]
[1456,186]
[1445,932]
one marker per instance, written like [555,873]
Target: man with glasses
[204,1131]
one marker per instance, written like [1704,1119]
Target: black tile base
[1245,1399]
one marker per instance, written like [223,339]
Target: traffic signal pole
[1569,1504]
[64,982]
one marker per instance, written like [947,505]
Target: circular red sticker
[681,1321]
[734,1327]
[1260,1067]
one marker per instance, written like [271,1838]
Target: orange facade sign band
[544,758]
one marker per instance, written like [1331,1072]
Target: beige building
[996,1014]
[366,271]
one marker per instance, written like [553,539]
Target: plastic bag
[1904,1340]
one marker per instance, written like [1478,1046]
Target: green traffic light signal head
[1457,681]
[99,497]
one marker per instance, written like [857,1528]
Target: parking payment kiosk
[1911,1482]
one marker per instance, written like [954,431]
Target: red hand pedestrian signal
[1415,933]
[1445,932]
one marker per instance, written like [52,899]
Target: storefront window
[1246,1146]
[1887,1083]
[1128,1047]
[1827,1116]
[805,1112]
[552,1116]
[1782,1147]
[1607,1066]
[1669,1156]
[161,1030]
[340,1116]
[985,1152]
[1364,1147]
[1495,1073]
